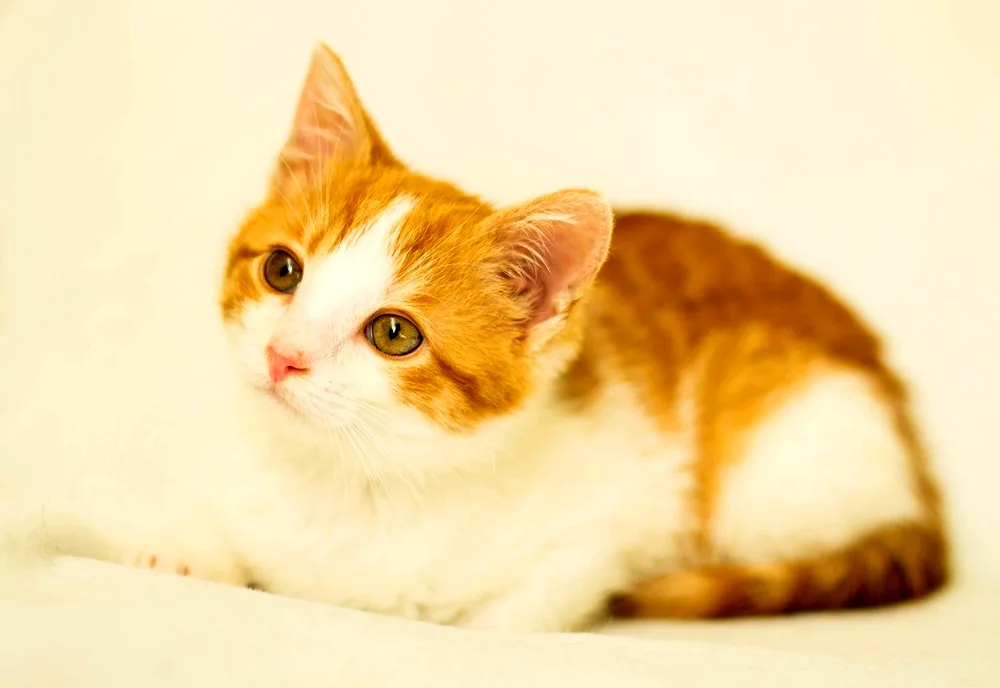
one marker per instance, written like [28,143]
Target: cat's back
[672,285]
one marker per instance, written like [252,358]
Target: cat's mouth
[281,397]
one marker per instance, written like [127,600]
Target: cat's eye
[393,335]
[282,272]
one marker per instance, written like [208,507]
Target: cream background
[857,138]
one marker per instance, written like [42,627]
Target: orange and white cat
[516,418]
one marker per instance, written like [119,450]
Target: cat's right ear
[330,127]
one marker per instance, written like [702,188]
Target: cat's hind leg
[823,504]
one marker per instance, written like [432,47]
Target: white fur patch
[823,469]
[564,509]
[356,276]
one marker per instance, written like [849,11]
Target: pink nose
[283,365]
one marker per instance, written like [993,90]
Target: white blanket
[81,623]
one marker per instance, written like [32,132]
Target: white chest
[603,492]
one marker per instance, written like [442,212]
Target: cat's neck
[365,466]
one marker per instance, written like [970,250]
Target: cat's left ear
[552,249]
[330,126]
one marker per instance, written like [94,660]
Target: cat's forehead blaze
[437,270]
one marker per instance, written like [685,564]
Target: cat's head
[360,293]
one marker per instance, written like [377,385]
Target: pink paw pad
[144,560]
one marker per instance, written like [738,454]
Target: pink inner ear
[328,122]
[558,243]
[316,143]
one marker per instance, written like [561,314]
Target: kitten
[503,418]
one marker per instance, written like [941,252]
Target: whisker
[379,443]
[291,205]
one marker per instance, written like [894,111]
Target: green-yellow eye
[393,335]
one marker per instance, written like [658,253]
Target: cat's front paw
[161,563]
[227,572]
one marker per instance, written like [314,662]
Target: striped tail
[888,566]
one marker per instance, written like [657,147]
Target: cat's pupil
[393,335]
[286,269]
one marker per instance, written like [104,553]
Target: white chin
[282,406]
